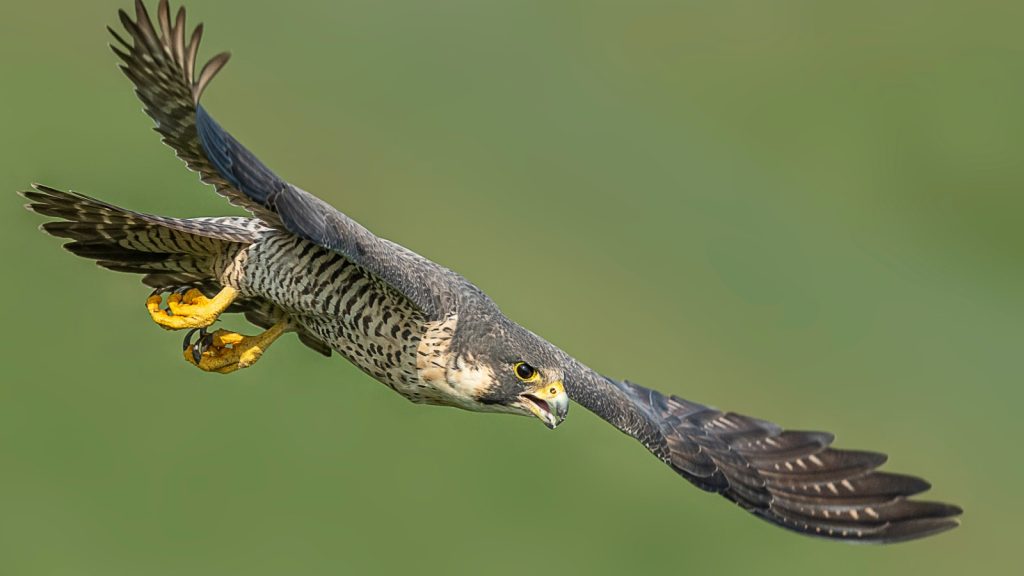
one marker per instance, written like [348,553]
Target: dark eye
[525,372]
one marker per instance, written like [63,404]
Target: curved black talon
[188,337]
[202,345]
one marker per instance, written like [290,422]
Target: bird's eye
[525,372]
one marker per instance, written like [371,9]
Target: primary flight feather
[300,266]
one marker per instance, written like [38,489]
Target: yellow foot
[225,352]
[191,309]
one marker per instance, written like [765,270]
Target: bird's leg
[224,352]
[191,309]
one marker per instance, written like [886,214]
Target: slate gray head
[524,376]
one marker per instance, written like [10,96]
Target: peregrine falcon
[298,265]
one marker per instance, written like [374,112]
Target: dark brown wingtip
[47,189]
[140,11]
[163,15]
[917,529]
[178,35]
[192,54]
[120,39]
[209,71]
[126,20]
[165,42]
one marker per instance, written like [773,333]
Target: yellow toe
[190,310]
[230,351]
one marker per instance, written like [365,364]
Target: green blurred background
[802,212]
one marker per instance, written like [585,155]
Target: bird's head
[526,389]
[525,375]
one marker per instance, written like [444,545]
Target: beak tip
[550,404]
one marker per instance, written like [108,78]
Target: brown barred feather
[129,241]
[170,253]
[162,66]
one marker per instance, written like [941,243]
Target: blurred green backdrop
[803,212]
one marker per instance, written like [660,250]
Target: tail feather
[185,266]
[104,251]
[170,252]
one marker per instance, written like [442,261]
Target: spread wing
[162,65]
[790,478]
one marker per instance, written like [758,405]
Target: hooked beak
[549,402]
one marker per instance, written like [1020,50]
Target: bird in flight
[298,265]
